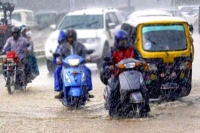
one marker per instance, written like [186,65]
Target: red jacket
[115,55]
[118,55]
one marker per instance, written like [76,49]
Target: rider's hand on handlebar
[111,67]
[87,59]
[59,62]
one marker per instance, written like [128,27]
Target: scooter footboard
[136,97]
[75,91]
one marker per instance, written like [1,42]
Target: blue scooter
[76,78]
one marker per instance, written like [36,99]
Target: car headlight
[83,77]
[183,65]
[93,40]
[67,78]
[152,67]
[73,62]
[186,65]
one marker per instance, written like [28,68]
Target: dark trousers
[34,69]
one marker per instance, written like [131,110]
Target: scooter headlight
[73,62]
[67,78]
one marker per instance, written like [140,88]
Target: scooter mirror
[191,28]
[56,54]
[107,59]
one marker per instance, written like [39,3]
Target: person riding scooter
[121,50]
[71,46]
[57,78]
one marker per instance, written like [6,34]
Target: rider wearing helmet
[71,46]
[20,45]
[57,77]
[122,50]
[61,40]
[26,33]
[23,30]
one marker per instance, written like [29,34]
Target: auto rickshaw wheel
[187,88]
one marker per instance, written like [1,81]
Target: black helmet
[15,30]
[71,33]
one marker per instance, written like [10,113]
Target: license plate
[169,86]
[10,64]
[76,72]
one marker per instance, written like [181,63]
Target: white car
[186,8]
[192,16]
[14,22]
[149,12]
[25,16]
[94,29]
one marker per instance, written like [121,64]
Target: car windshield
[82,22]
[44,18]
[164,38]
[193,12]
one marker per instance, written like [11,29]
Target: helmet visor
[122,41]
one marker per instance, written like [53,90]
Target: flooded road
[36,110]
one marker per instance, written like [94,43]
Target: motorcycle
[75,81]
[13,72]
[130,92]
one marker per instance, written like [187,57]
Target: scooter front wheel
[140,110]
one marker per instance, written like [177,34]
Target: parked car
[14,22]
[45,18]
[59,17]
[186,8]
[94,29]
[149,12]
[192,16]
[25,16]
[174,11]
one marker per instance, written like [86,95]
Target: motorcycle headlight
[83,77]
[67,78]
[10,60]
[73,62]
[152,67]
[92,40]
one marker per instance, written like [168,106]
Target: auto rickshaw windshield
[164,38]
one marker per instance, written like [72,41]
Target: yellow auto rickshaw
[166,45]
